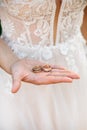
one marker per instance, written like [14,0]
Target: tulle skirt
[48,107]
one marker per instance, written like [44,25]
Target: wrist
[12,62]
[7,57]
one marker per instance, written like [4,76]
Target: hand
[22,71]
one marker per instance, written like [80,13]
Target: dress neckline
[59,22]
[56,20]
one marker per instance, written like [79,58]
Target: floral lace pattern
[37,20]
[35,13]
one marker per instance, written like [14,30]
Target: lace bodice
[28,26]
[36,19]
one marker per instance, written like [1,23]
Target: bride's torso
[29,25]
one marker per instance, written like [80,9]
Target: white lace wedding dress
[28,30]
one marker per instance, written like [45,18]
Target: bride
[38,38]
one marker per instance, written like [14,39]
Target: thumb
[16,83]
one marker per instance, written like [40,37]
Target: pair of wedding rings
[40,68]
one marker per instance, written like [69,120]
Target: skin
[21,69]
[84,25]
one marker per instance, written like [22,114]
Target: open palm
[22,71]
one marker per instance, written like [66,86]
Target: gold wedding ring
[44,68]
[47,68]
[37,69]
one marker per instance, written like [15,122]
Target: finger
[73,76]
[64,74]
[16,83]
[52,80]
[58,67]
[62,69]
[60,79]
